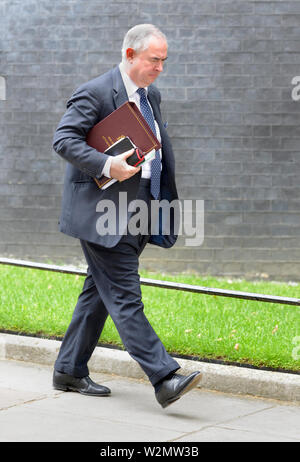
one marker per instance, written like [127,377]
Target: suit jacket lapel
[166,159]
[120,97]
[154,103]
[156,111]
[119,92]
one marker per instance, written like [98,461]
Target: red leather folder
[127,120]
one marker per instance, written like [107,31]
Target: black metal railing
[162,284]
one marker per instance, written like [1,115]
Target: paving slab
[229,379]
[31,410]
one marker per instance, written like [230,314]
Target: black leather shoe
[83,385]
[172,389]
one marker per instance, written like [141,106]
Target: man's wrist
[106,168]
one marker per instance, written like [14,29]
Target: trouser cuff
[164,372]
[75,371]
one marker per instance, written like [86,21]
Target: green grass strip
[210,327]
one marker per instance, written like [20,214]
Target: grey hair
[138,38]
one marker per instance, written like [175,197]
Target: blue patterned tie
[155,164]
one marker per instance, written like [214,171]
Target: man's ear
[130,53]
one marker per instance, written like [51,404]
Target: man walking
[112,286]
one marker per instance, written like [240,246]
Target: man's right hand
[119,168]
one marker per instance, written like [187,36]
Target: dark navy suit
[112,285]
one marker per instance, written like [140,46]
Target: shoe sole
[66,388]
[192,384]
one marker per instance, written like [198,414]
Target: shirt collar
[130,86]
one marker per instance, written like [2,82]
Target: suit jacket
[89,104]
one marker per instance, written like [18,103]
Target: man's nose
[160,66]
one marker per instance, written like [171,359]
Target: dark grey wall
[227,93]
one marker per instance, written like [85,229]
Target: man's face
[145,66]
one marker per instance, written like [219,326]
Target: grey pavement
[217,377]
[232,404]
[32,411]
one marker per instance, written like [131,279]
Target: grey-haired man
[112,286]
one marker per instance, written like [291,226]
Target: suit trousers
[112,287]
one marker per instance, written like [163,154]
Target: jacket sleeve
[70,137]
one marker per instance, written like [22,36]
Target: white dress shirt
[133,96]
